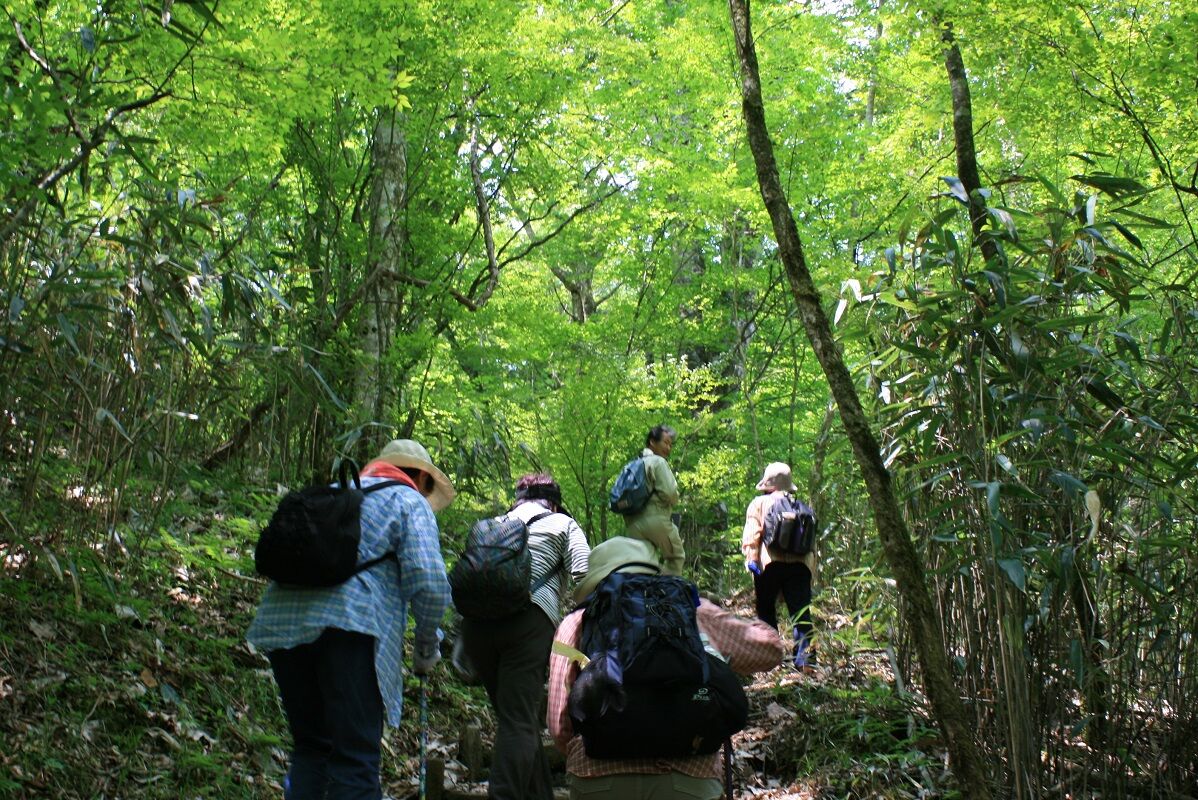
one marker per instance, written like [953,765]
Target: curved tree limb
[892,530]
[967,158]
[88,141]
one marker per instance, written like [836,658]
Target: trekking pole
[423,739]
[728,766]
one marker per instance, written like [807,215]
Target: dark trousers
[793,581]
[331,696]
[511,657]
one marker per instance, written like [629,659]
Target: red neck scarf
[381,469]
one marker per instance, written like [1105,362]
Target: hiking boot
[804,655]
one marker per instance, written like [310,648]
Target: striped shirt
[557,546]
[376,601]
[749,646]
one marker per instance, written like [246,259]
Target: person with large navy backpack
[333,632]
[508,585]
[642,681]
[645,493]
[779,548]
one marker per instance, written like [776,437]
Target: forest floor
[126,675]
[837,730]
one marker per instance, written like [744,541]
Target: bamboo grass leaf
[1015,572]
[956,188]
[328,390]
[1067,482]
[104,415]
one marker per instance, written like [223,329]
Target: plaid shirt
[375,601]
[749,646]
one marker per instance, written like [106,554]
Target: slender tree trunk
[896,541]
[1023,745]
[967,158]
[388,196]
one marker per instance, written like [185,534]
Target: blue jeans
[331,696]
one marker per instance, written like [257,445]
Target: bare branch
[484,219]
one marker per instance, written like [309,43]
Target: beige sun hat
[619,553]
[411,453]
[776,478]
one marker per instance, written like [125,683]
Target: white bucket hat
[776,478]
[411,453]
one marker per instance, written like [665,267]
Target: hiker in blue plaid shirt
[337,652]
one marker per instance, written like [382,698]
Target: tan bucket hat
[411,453]
[776,478]
[619,553]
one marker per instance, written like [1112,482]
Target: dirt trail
[837,730]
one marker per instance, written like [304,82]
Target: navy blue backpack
[651,690]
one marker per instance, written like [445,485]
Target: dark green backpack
[493,577]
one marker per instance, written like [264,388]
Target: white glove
[423,661]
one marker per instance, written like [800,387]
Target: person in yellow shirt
[656,523]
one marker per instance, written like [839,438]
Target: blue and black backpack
[631,491]
[651,689]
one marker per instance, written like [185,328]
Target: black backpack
[312,537]
[492,578]
[789,526]
[651,690]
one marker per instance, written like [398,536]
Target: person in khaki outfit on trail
[655,523]
[776,572]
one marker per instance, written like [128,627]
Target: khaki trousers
[636,786]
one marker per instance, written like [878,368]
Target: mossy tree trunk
[892,531]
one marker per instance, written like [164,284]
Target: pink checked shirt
[749,646]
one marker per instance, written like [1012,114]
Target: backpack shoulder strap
[374,487]
[374,562]
[390,554]
[649,476]
[544,579]
[539,517]
[540,582]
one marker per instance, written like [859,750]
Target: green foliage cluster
[1061,500]
[861,736]
[128,673]
[246,239]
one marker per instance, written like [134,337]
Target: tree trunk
[892,531]
[388,195]
[967,159]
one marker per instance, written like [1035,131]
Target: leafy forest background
[241,239]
